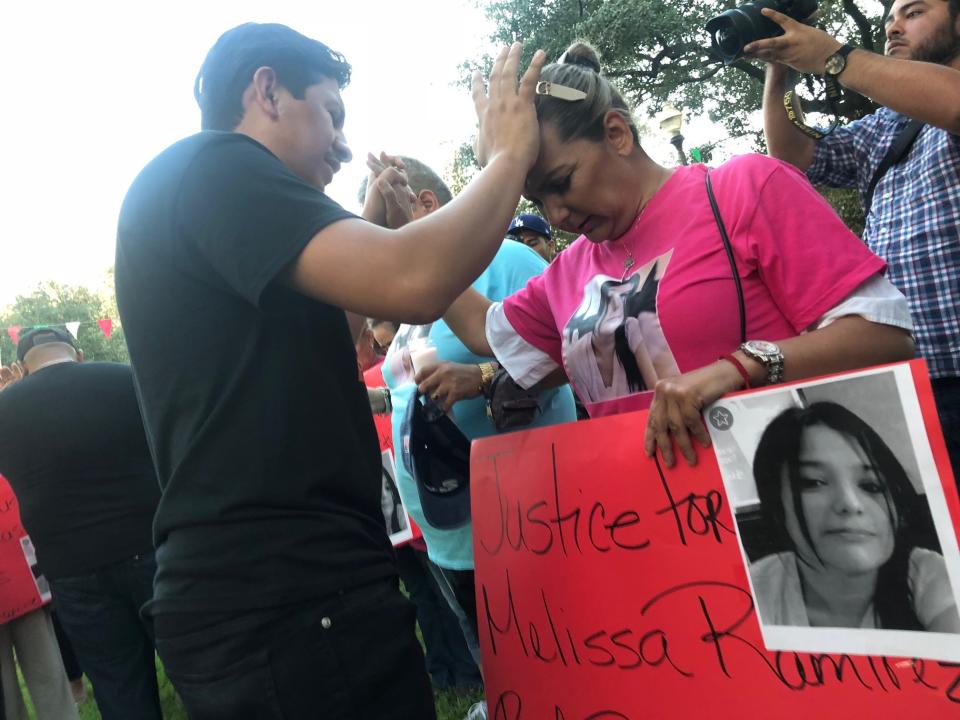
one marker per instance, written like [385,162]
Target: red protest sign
[400,526]
[611,587]
[19,589]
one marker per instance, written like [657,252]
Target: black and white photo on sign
[394,513]
[841,516]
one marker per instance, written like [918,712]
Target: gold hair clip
[561,92]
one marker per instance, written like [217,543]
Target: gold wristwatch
[487,371]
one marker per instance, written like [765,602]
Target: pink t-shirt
[660,300]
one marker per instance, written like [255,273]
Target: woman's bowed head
[836,496]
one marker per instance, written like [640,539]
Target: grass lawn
[449,705]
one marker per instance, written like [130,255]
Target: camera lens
[730,31]
[728,40]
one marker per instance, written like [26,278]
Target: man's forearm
[784,141]
[923,91]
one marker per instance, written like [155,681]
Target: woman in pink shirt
[642,310]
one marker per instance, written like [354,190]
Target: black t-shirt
[260,428]
[73,449]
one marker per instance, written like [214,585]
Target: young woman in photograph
[835,496]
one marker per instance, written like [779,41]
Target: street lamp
[671,120]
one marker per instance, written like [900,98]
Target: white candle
[423,357]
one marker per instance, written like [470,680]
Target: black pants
[350,657]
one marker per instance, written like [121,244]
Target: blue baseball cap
[437,455]
[529,221]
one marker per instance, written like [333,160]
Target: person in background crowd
[366,354]
[73,448]
[457,383]
[242,287]
[383,333]
[534,232]
[32,638]
[449,662]
[913,207]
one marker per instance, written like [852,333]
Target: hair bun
[582,54]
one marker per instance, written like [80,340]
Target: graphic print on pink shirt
[613,343]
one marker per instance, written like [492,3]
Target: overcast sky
[95,90]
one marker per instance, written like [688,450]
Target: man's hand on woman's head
[505,111]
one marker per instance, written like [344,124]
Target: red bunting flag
[106,325]
[14,332]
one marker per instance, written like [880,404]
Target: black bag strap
[733,263]
[901,144]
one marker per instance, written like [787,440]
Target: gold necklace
[629,262]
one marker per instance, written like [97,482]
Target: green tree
[657,51]
[847,204]
[462,169]
[54,304]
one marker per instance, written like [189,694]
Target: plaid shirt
[914,223]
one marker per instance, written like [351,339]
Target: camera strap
[833,92]
[898,150]
[730,258]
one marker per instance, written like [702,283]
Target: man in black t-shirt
[276,591]
[72,447]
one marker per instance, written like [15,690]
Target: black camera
[731,30]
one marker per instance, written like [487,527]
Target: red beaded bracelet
[740,369]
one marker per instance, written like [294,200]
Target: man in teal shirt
[460,376]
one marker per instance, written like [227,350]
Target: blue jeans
[946,391]
[449,660]
[100,613]
[459,589]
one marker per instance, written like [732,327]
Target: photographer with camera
[904,159]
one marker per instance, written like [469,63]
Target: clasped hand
[9,374]
[389,201]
